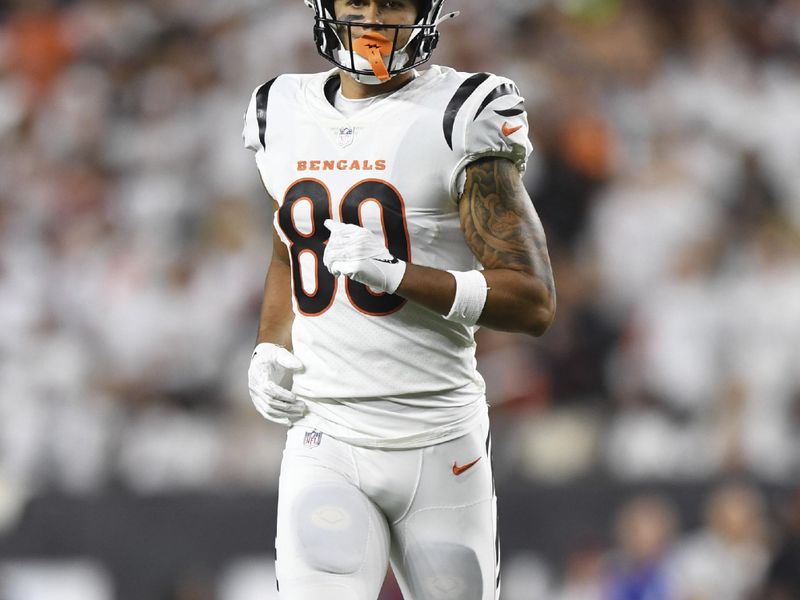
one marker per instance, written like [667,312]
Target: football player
[401,225]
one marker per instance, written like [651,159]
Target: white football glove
[270,380]
[357,253]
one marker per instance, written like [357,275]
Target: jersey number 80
[393,222]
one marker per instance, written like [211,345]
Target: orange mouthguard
[374,47]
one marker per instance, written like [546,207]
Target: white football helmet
[374,58]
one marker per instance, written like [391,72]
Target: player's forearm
[516,302]
[432,288]
[275,322]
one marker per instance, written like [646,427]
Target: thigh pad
[444,571]
[332,525]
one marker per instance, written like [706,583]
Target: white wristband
[471,292]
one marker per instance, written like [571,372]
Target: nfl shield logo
[345,136]
[312,439]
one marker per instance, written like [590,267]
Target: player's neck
[355,90]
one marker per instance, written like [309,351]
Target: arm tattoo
[499,221]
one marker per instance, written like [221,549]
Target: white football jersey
[377,367]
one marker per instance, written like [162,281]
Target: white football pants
[345,512]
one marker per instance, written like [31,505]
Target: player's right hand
[357,253]
[270,381]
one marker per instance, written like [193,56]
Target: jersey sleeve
[496,124]
[256,117]
[250,133]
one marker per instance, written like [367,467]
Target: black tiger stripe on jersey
[457,102]
[496,532]
[512,112]
[506,89]
[497,576]
[262,99]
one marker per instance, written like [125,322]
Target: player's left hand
[270,380]
[357,253]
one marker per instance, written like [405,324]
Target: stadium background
[649,441]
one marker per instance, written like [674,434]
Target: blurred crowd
[727,556]
[134,239]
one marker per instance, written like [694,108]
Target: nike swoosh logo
[394,261]
[508,130]
[459,470]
